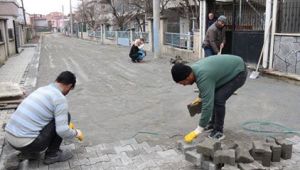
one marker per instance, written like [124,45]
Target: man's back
[36,111]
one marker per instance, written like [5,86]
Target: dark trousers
[208,51]
[221,95]
[47,139]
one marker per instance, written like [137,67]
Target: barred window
[10,33]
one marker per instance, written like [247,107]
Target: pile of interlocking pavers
[214,155]
[11,95]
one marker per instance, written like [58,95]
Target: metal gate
[123,38]
[245,27]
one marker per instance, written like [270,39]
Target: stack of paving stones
[214,155]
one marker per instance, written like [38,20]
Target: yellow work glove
[71,125]
[190,136]
[197,100]
[193,134]
[79,135]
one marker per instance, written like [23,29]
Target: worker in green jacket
[217,78]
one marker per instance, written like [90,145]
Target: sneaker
[217,135]
[60,156]
[209,128]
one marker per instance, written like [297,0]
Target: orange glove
[190,136]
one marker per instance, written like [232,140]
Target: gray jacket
[214,37]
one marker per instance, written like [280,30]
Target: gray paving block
[183,146]
[60,166]
[251,166]
[286,148]
[193,157]
[276,151]
[167,153]
[224,157]
[261,151]
[208,165]
[231,145]
[229,167]
[243,156]
[208,147]
[125,148]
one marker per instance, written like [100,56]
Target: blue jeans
[141,55]
[209,51]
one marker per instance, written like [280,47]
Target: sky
[47,6]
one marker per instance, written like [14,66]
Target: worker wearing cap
[215,37]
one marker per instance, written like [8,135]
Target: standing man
[210,20]
[215,37]
[42,121]
[217,78]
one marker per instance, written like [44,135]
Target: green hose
[248,125]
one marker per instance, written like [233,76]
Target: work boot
[59,156]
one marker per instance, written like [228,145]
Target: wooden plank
[11,106]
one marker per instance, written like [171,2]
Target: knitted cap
[223,19]
[180,72]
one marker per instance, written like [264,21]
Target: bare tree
[86,13]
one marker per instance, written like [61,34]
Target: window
[10,33]
[1,38]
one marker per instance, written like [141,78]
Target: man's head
[142,40]
[66,81]
[221,21]
[183,74]
[211,16]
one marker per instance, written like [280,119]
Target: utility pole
[156,20]
[71,18]
[63,18]
[24,14]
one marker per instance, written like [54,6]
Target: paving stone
[243,156]
[147,164]
[106,151]
[125,159]
[276,151]
[102,158]
[183,146]
[97,166]
[286,148]
[208,147]
[251,166]
[156,148]
[229,167]
[79,162]
[60,166]
[261,151]
[193,157]
[208,165]
[224,157]
[167,153]
[135,152]
[231,145]
[143,145]
[125,148]
[87,155]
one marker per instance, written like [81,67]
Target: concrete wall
[9,8]
[2,53]
[287,54]
[11,47]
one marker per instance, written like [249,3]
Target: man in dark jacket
[215,37]
[136,52]
[217,78]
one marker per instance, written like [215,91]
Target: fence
[288,16]
[184,41]
[144,35]
[110,35]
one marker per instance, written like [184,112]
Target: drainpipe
[15,36]
[274,16]
[202,26]
[267,35]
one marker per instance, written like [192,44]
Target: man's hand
[193,134]
[79,135]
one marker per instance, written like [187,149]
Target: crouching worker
[137,52]
[42,121]
[217,78]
